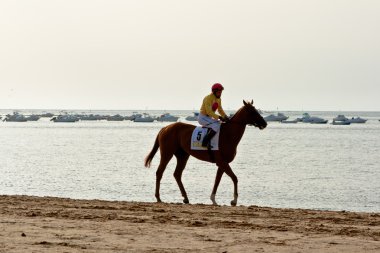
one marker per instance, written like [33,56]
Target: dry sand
[35,224]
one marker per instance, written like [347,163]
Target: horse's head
[252,116]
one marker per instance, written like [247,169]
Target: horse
[175,139]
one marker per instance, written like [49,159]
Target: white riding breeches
[207,121]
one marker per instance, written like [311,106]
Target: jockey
[207,116]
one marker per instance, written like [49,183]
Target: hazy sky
[160,54]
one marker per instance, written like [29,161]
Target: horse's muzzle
[261,127]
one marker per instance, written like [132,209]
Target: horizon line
[155,109]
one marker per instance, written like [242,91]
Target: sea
[312,166]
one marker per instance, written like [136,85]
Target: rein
[232,121]
[241,123]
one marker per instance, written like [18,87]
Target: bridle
[255,124]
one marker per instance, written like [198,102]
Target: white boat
[193,118]
[279,117]
[144,118]
[306,118]
[341,123]
[294,121]
[65,118]
[33,117]
[167,117]
[340,117]
[133,116]
[15,117]
[357,120]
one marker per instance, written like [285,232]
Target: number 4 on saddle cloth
[197,137]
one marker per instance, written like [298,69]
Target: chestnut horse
[175,138]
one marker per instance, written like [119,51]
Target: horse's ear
[252,102]
[245,103]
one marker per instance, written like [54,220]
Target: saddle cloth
[197,137]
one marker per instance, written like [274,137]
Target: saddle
[197,138]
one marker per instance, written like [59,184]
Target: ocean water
[299,165]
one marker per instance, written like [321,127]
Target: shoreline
[51,224]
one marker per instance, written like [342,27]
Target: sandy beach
[46,224]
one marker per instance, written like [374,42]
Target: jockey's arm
[221,111]
[209,111]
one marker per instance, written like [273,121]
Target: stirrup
[207,145]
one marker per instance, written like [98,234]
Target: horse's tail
[150,156]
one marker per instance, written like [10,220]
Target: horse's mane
[237,112]
[241,108]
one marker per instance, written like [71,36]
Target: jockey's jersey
[210,104]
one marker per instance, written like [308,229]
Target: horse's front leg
[181,163]
[219,175]
[227,169]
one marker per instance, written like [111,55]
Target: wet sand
[36,224]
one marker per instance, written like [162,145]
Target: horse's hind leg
[160,171]
[182,158]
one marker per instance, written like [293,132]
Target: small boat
[279,117]
[144,118]
[294,121]
[90,117]
[116,117]
[306,118]
[133,116]
[357,120]
[47,115]
[318,121]
[340,122]
[167,117]
[193,118]
[340,117]
[33,117]
[15,117]
[65,118]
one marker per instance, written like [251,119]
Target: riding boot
[207,139]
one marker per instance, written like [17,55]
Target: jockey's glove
[225,119]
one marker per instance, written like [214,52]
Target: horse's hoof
[212,197]
[233,203]
[186,201]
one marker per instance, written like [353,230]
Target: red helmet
[217,87]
